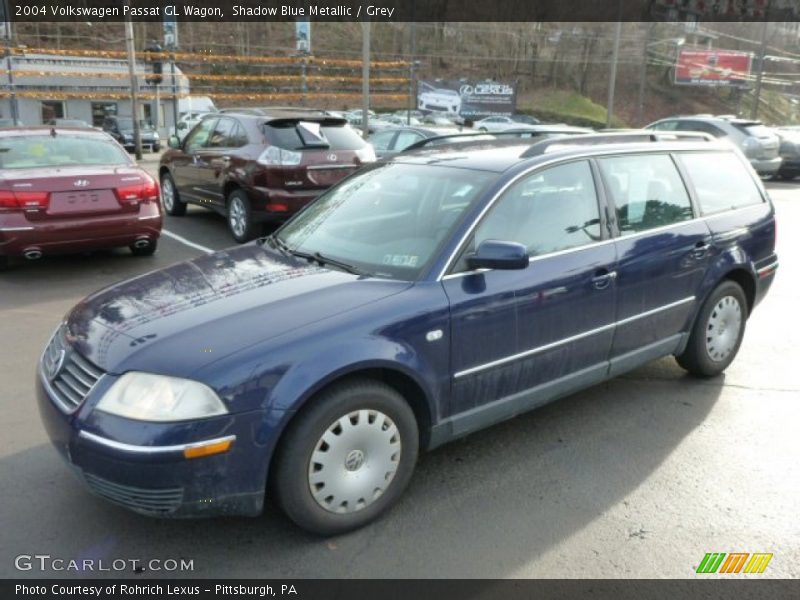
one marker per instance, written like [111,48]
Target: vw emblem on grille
[354,460]
[332,157]
[53,365]
[80,182]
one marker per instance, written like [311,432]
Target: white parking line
[183,240]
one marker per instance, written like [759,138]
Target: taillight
[29,200]
[141,192]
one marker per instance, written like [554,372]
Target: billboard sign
[712,67]
[468,99]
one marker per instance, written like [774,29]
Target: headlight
[148,397]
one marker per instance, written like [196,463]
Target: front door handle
[603,278]
[700,249]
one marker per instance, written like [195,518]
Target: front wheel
[347,458]
[170,197]
[717,332]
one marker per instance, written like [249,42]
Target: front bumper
[141,465]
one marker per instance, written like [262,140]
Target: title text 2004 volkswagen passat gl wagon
[416,301]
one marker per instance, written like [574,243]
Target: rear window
[755,130]
[338,137]
[721,180]
[26,152]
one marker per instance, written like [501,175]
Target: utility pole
[643,74]
[612,77]
[761,51]
[412,97]
[365,77]
[137,136]
[7,39]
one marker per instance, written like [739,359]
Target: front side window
[647,190]
[381,140]
[720,180]
[665,126]
[388,221]
[199,135]
[223,134]
[405,139]
[548,211]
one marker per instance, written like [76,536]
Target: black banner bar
[711,588]
[402,10]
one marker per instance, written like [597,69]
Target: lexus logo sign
[332,157]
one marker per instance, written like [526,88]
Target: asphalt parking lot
[638,477]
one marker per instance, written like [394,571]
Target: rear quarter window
[722,181]
[339,137]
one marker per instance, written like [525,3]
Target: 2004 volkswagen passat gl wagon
[416,301]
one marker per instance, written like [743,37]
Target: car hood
[178,319]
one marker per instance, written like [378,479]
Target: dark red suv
[72,189]
[259,165]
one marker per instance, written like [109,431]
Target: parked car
[69,190]
[417,301]
[187,122]
[500,123]
[121,129]
[760,144]
[69,123]
[439,100]
[392,141]
[259,168]
[790,152]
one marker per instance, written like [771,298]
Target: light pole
[612,76]
[137,136]
[365,78]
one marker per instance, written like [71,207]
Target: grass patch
[565,106]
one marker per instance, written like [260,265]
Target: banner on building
[713,67]
[468,99]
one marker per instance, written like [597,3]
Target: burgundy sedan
[66,190]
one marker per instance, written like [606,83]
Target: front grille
[70,375]
[151,501]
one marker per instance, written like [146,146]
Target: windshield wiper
[316,257]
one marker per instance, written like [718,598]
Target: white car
[440,100]
[187,122]
[493,124]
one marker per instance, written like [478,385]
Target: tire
[377,432]
[156,148]
[5,263]
[713,343]
[170,198]
[148,250]
[240,217]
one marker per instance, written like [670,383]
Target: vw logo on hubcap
[354,460]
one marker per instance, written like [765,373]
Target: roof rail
[525,135]
[616,137]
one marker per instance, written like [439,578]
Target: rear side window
[647,191]
[756,130]
[339,137]
[721,181]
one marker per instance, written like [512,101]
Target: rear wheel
[347,458]
[240,217]
[717,333]
[170,197]
[144,250]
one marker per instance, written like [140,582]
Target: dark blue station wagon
[415,302]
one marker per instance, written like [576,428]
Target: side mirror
[182,125]
[173,142]
[495,254]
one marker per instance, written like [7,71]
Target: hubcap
[237,217]
[167,193]
[722,329]
[355,461]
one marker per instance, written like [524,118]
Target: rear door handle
[602,279]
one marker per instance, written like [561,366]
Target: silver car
[759,143]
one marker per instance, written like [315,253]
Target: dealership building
[40,87]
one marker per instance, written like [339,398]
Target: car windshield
[127,124]
[26,152]
[388,221]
